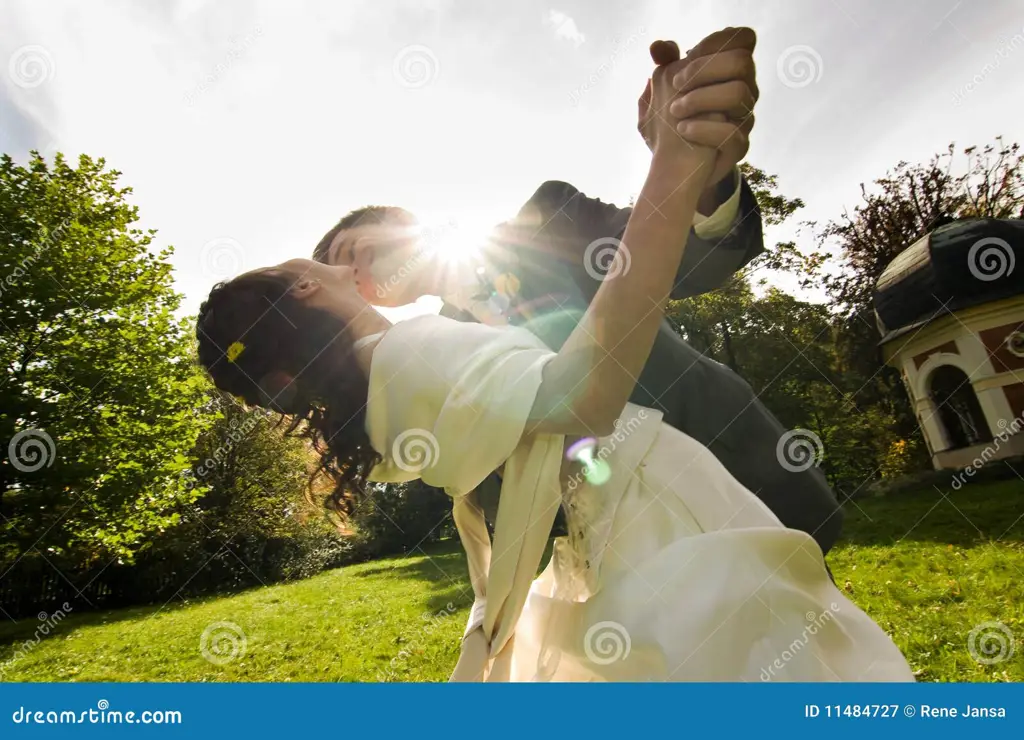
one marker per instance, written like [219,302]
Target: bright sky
[248,128]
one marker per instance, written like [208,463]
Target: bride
[671,571]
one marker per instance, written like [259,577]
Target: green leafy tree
[252,477]
[98,392]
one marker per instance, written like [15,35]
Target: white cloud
[564,27]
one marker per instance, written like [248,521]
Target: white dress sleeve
[448,402]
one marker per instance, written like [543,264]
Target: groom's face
[383,257]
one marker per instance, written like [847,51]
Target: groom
[543,267]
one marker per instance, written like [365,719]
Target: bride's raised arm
[588,383]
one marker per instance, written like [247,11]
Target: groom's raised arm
[580,230]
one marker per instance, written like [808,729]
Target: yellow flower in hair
[507,284]
[234,351]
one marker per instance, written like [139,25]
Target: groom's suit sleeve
[567,221]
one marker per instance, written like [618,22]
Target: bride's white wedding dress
[672,571]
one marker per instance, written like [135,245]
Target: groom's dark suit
[545,246]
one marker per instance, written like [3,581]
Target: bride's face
[328,287]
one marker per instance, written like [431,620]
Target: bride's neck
[364,325]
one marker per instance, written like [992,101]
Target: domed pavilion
[950,309]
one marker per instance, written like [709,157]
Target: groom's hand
[716,93]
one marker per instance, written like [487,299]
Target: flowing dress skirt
[693,579]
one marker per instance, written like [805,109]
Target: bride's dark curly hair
[261,344]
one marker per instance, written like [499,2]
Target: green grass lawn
[929,569]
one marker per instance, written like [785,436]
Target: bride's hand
[656,123]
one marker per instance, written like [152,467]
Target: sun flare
[456,238]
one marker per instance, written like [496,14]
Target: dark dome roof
[960,264]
